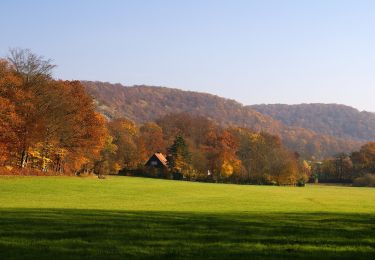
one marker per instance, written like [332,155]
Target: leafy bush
[367,180]
[301,183]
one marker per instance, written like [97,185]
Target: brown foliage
[327,119]
[45,124]
[143,104]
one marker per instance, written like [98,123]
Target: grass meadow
[128,217]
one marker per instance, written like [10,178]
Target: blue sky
[262,51]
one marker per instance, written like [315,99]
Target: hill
[328,119]
[146,103]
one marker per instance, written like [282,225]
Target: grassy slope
[128,217]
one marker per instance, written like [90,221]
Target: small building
[157,160]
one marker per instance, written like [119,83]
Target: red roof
[161,158]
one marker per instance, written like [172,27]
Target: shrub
[367,180]
[301,183]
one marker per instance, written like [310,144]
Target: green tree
[179,156]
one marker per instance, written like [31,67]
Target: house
[157,160]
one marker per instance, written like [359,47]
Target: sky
[265,51]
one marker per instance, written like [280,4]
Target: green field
[127,217]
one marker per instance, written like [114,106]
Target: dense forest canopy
[329,119]
[145,103]
[45,123]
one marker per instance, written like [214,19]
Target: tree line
[52,126]
[346,167]
[201,150]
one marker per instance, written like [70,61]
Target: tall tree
[53,124]
[125,135]
[364,159]
[34,74]
[179,156]
[151,135]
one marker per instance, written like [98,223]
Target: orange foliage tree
[50,125]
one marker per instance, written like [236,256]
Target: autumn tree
[80,129]
[364,159]
[282,167]
[106,163]
[53,124]
[151,137]
[305,171]
[226,161]
[193,127]
[33,74]
[264,158]
[8,123]
[125,135]
[254,151]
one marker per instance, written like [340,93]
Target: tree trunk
[24,157]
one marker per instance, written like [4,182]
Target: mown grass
[123,217]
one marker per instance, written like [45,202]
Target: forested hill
[145,103]
[328,119]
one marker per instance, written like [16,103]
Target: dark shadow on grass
[67,233]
